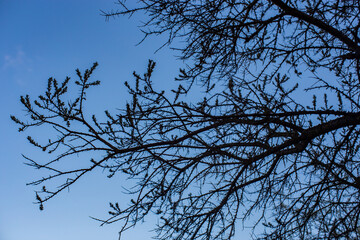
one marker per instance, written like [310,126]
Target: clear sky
[43,38]
[51,38]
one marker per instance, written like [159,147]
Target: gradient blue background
[43,38]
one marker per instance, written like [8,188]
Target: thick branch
[318,23]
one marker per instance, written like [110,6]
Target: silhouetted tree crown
[254,147]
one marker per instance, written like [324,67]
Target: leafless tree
[252,145]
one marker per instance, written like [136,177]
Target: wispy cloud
[16,60]
[15,66]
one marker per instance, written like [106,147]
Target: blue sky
[51,38]
[44,38]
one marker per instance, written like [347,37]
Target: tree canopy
[253,146]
